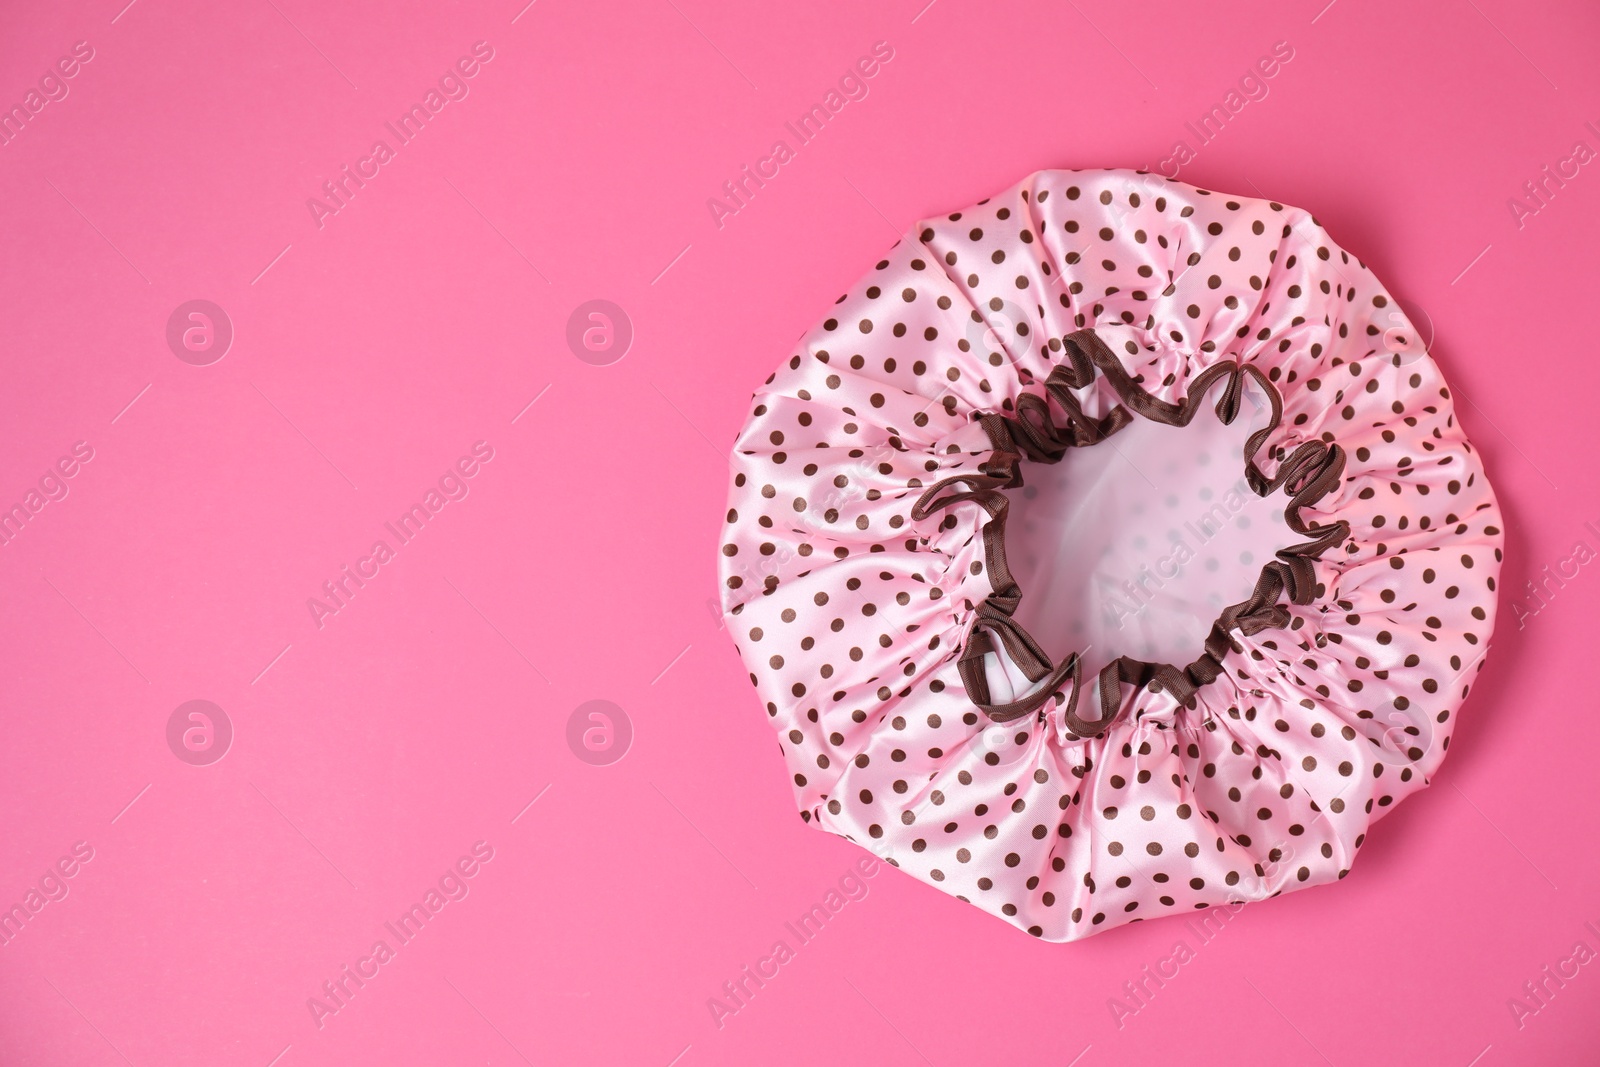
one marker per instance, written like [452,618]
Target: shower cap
[1110,550]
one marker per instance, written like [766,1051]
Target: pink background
[369,354]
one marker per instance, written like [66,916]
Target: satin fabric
[850,613]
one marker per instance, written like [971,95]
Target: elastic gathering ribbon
[1308,473]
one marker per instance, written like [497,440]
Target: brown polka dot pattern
[850,614]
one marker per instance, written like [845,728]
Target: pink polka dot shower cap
[1110,550]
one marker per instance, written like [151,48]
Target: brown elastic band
[1307,474]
